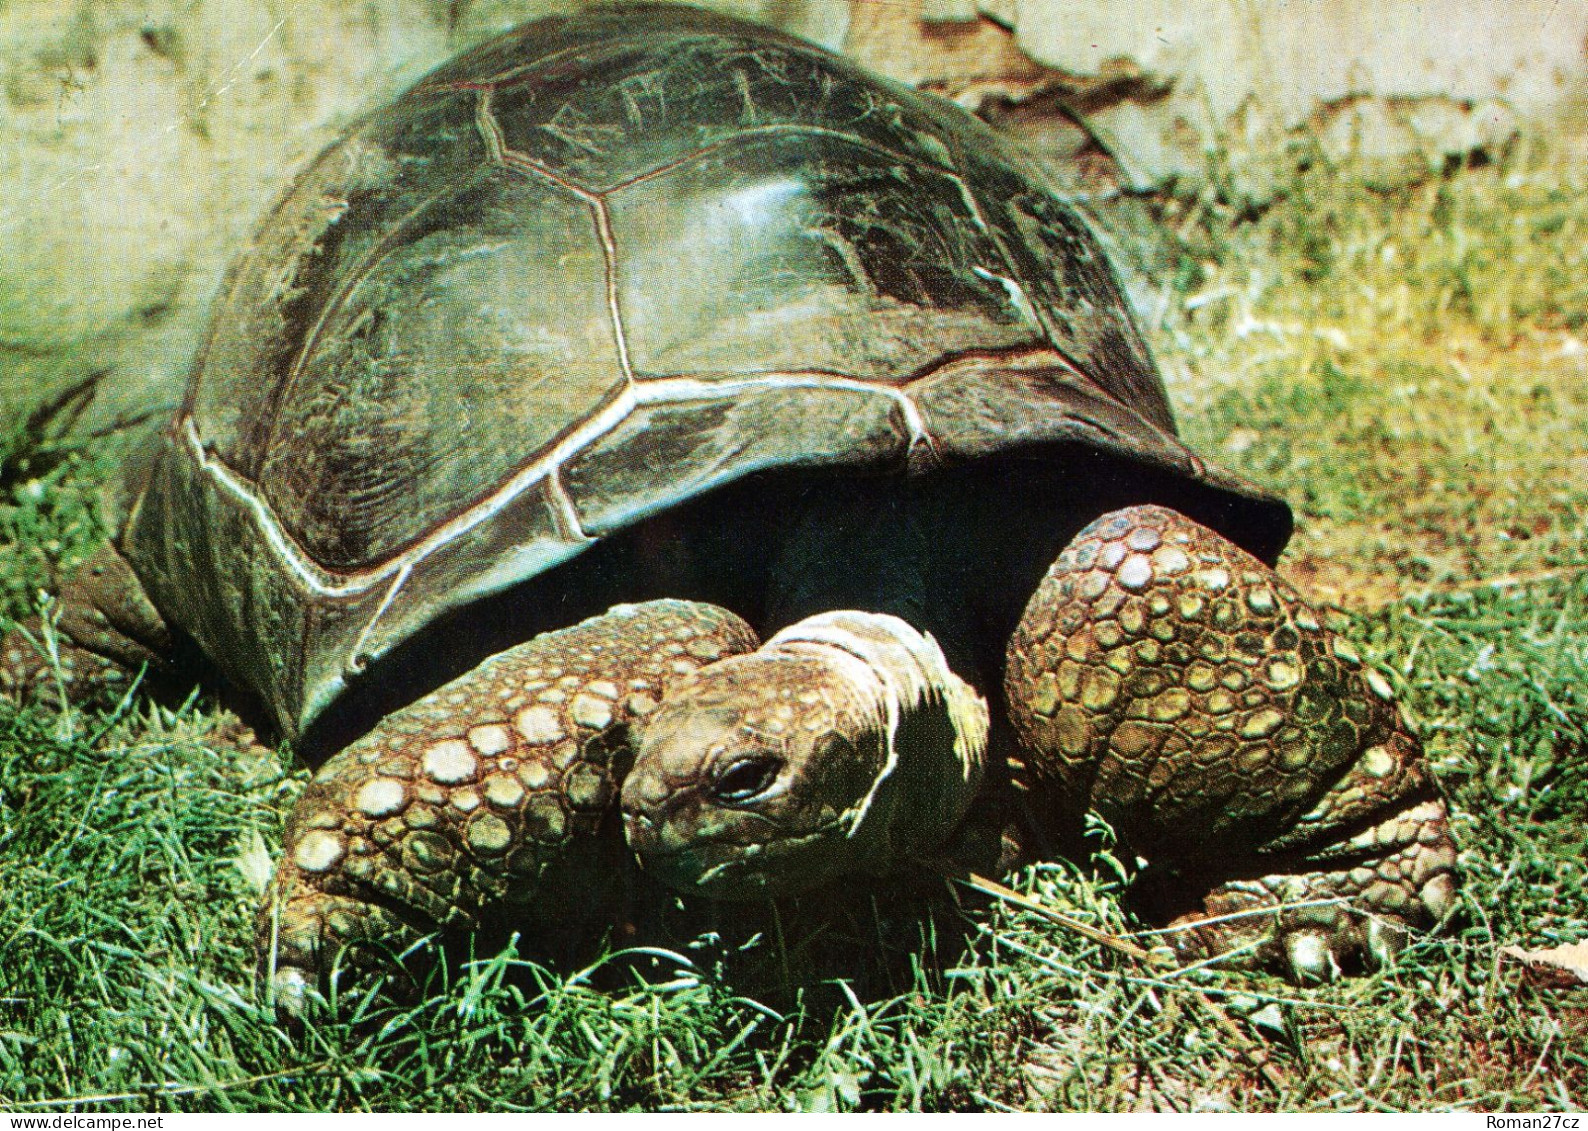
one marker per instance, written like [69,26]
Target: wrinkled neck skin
[844,746]
[924,730]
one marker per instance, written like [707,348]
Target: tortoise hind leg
[1178,686]
[107,631]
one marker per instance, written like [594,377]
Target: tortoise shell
[583,273]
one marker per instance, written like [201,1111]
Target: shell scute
[715,441]
[1072,286]
[336,216]
[820,255]
[446,363]
[609,111]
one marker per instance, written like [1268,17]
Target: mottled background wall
[141,139]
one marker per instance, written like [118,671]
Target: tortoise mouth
[728,862]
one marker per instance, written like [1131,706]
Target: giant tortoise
[635,317]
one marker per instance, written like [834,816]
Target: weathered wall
[142,138]
[1162,82]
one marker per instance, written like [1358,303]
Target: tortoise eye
[746,778]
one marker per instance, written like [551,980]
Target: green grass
[1405,366]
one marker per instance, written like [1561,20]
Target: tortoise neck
[884,545]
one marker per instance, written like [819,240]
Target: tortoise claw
[1357,909]
[1311,959]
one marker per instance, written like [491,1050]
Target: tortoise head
[843,746]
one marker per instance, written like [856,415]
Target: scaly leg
[106,632]
[498,788]
[1167,679]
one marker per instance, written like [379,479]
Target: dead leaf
[1559,967]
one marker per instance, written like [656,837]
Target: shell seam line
[564,513]
[609,251]
[679,390]
[496,144]
[788,129]
[357,659]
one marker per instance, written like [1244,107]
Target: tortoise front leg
[1178,686]
[498,788]
[106,632]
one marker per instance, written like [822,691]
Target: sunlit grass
[1407,367]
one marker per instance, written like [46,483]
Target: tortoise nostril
[645,789]
[746,778]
